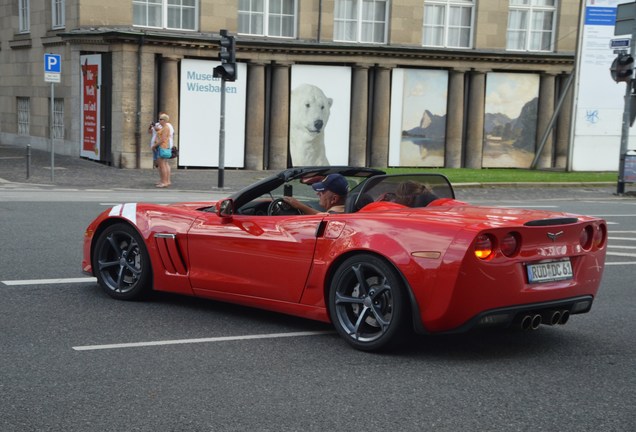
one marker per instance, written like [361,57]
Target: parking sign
[52,67]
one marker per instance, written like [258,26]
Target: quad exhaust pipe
[531,322]
[553,317]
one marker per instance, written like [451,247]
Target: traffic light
[622,68]
[227,55]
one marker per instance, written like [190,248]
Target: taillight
[510,244]
[586,237]
[600,236]
[484,245]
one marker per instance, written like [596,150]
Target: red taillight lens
[510,244]
[586,237]
[600,236]
[484,246]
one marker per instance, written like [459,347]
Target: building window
[361,20]
[58,118]
[531,25]
[24,115]
[57,14]
[276,18]
[168,14]
[24,19]
[448,23]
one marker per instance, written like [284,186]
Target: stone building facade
[142,49]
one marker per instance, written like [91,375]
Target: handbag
[175,152]
[164,153]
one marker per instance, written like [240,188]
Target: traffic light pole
[227,72]
[222,136]
[620,185]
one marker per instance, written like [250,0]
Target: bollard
[28,161]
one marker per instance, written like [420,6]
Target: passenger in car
[332,194]
[413,194]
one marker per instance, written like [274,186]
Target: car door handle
[320,230]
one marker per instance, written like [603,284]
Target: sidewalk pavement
[73,172]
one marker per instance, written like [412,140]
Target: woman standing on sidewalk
[163,144]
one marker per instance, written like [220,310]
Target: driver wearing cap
[332,193]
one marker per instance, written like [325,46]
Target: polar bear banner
[309,114]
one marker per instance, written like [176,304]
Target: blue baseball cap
[335,183]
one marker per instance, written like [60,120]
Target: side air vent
[550,222]
[170,253]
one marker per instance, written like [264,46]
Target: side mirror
[225,208]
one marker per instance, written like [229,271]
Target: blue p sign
[52,63]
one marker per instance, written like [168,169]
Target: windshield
[412,190]
[299,188]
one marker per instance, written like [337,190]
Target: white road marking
[201,340]
[620,263]
[622,238]
[614,215]
[621,247]
[49,281]
[528,206]
[621,254]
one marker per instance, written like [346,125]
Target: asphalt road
[197,365]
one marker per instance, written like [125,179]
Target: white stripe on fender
[130,212]
[115,211]
[127,211]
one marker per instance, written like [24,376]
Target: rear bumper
[513,315]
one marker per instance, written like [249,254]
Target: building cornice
[302,50]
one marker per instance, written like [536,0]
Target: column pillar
[544,114]
[564,123]
[455,119]
[279,119]
[475,132]
[359,115]
[255,116]
[381,117]
[169,92]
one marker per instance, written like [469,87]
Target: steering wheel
[280,207]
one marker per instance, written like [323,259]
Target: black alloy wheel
[367,303]
[121,263]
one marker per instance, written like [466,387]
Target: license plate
[550,271]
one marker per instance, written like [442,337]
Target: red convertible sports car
[405,255]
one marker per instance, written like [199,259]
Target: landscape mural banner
[319,115]
[510,120]
[90,98]
[200,115]
[418,120]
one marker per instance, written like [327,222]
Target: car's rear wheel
[121,262]
[367,303]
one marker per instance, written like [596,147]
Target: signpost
[52,74]
[625,24]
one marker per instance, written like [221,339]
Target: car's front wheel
[367,303]
[121,262]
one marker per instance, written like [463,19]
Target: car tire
[121,263]
[367,303]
